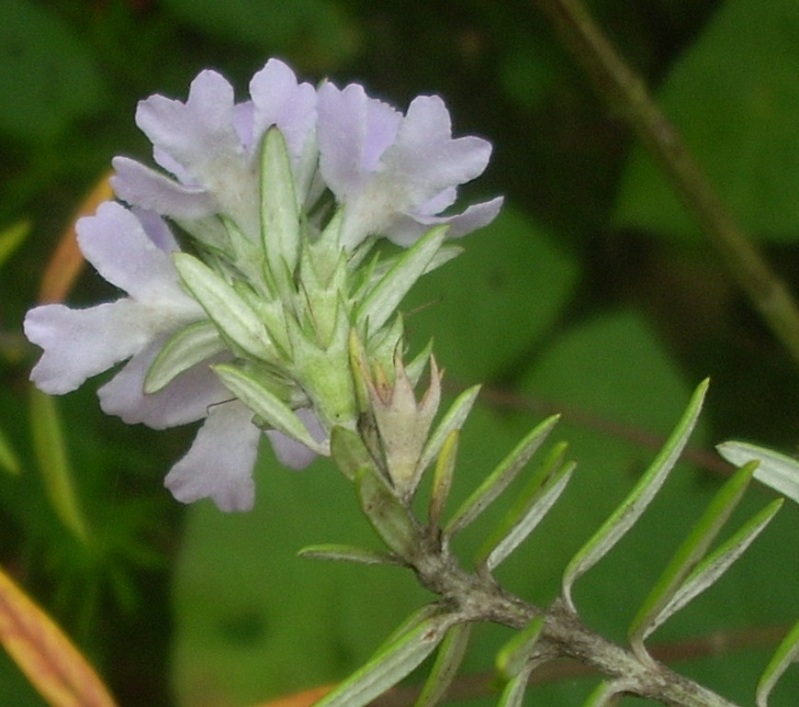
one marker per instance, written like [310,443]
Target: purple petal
[409,228]
[117,245]
[80,343]
[185,399]
[279,100]
[220,462]
[292,453]
[140,185]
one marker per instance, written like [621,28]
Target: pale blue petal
[289,451]
[220,462]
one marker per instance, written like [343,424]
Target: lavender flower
[257,323]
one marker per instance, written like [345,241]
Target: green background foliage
[593,294]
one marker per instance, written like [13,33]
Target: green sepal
[449,659]
[518,651]
[280,217]
[787,652]
[348,553]
[51,453]
[391,520]
[234,318]
[688,556]
[442,479]
[499,479]
[191,345]
[529,509]
[454,419]
[384,298]
[631,509]
[348,451]
[389,665]
[266,405]
[776,470]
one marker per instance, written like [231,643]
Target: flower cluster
[279,200]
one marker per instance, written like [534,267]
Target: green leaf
[452,420]
[280,217]
[787,652]
[11,238]
[348,553]
[266,405]
[384,298]
[442,479]
[191,345]
[231,314]
[517,653]
[499,479]
[630,510]
[715,564]
[9,461]
[51,453]
[775,470]
[733,95]
[513,693]
[685,560]
[390,665]
[444,670]
[541,493]
[606,693]
[391,520]
[48,77]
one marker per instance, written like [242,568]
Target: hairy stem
[627,96]
[477,597]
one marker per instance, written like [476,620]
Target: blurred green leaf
[11,238]
[787,652]
[515,654]
[51,453]
[734,97]
[47,74]
[318,33]
[9,461]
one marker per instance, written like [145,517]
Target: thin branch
[627,95]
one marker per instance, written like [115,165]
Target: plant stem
[477,597]
[627,95]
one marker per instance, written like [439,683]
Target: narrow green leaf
[513,693]
[776,470]
[444,670]
[9,461]
[606,693]
[518,652]
[11,238]
[348,451]
[391,520]
[389,665]
[499,479]
[231,314]
[528,511]
[384,298]
[348,553]
[631,509]
[51,453]
[716,564]
[267,405]
[442,479]
[787,652]
[191,345]
[453,420]
[689,554]
[280,218]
